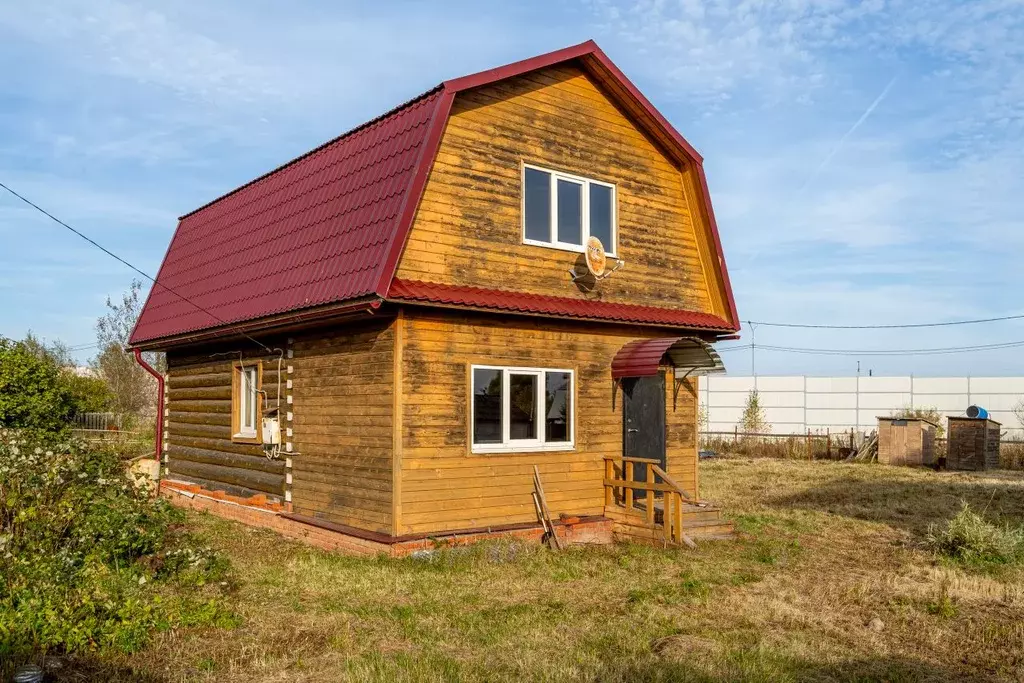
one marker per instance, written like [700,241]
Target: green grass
[825,547]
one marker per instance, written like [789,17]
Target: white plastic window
[521,409]
[562,210]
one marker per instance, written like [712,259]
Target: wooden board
[445,486]
[468,228]
[343,429]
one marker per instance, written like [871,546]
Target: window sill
[514,450]
[576,249]
[246,438]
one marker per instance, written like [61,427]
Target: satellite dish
[597,262]
[596,259]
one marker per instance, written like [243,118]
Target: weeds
[971,540]
[89,562]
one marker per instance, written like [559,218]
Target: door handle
[631,430]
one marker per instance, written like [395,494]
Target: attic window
[562,211]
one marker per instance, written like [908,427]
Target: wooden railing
[624,490]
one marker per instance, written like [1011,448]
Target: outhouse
[906,441]
[973,444]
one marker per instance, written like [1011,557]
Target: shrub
[33,393]
[87,560]
[970,539]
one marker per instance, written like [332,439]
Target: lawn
[830,580]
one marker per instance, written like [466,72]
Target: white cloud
[145,45]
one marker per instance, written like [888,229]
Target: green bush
[970,539]
[34,393]
[88,561]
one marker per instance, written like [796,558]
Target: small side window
[245,402]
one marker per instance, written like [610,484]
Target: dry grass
[826,548]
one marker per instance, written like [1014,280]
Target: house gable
[468,230]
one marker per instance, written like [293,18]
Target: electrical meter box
[271,431]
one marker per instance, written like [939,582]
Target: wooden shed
[906,441]
[973,444]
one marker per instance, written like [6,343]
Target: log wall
[198,426]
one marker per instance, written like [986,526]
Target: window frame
[554,176]
[509,445]
[239,401]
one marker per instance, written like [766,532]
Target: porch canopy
[688,355]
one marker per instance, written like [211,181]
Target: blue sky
[865,159]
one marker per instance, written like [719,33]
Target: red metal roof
[330,226]
[316,231]
[539,304]
[642,357]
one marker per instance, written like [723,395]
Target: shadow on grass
[910,504]
[80,670]
[754,666]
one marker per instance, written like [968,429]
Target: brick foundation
[259,513]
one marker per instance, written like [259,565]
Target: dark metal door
[643,421]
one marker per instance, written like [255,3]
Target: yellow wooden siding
[342,409]
[446,487]
[468,229]
[198,426]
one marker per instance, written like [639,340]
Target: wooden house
[906,441]
[375,343]
[973,444]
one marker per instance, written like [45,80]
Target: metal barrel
[978,412]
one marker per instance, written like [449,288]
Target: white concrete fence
[794,404]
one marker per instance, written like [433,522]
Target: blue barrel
[977,412]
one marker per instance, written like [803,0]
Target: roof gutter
[159,436]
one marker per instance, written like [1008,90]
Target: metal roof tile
[261,249]
[475,297]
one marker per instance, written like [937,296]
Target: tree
[754,420]
[56,351]
[925,413]
[90,394]
[34,393]
[133,389]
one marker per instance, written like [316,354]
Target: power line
[879,352]
[750,323]
[121,260]
[975,321]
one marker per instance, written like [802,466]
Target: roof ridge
[352,131]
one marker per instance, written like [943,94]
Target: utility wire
[879,352]
[121,260]
[750,323]
[975,321]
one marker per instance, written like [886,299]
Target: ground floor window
[521,409]
[245,401]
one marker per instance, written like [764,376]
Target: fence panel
[794,404]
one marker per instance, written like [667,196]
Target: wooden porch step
[709,529]
[699,523]
[702,531]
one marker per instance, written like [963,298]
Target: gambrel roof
[324,232]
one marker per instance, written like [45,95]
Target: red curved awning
[642,357]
